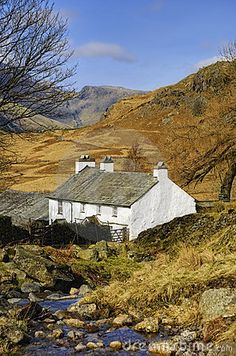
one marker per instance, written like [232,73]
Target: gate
[120,235]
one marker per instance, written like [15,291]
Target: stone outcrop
[215,303]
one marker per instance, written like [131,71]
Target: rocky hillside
[86,109]
[199,109]
[90,104]
[172,288]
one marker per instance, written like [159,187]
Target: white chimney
[84,161]
[160,171]
[107,164]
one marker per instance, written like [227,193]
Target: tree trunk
[227,183]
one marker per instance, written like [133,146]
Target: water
[47,347]
[54,305]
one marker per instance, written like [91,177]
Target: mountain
[90,104]
[38,123]
[85,109]
[152,119]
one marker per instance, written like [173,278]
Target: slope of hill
[86,109]
[90,104]
[38,123]
[152,119]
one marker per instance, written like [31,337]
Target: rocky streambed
[61,325]
[43,310]
[96,301]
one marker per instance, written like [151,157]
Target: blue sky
[145,44]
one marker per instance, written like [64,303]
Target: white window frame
[99,209]
[60,207]
[114,211]
[82,207]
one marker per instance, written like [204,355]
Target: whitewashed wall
[161,204]
[53,211]
[72,212]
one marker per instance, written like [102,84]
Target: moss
[102,272]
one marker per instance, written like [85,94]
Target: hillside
[90,104]
[85,109]
[38,123]
[202,100]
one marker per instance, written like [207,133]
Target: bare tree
[34,74]
[135,160]
[34,52]
[208,147]
[228,52]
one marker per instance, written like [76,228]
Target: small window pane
[60,207]
[114,213]
[82,208]
[99,210]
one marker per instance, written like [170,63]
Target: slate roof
[23,205]
[94,186]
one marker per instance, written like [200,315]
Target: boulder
[17,337]
[33,298]
[56,334]
[122,320]
[35,266]
[75,335]
[148,325]
[40,334]
[116,345]
[84,311]
[161,348]
[62,314]
[13,331]
[89,254]
[74,291]
[10,273]
[13,293]
[14,300]
[80,347]
[30,287]
[40,268]
[215,303]
[104,250]
[74,323]
[91,345]
[84,289]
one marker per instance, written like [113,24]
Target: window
[60,207]
[82,208]
[99,208]
[114,211]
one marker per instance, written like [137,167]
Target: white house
[134,200]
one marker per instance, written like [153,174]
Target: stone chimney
[107,164]
[84,161]
[160,171]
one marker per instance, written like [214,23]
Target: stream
[66,346]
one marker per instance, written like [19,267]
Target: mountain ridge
[85,109]
[153,120]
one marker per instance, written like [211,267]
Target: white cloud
[101,49]
[207,62]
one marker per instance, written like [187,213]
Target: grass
[96,273]
[172,284]
[168,282]
[189,255]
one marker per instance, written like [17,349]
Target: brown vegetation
[165,125]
